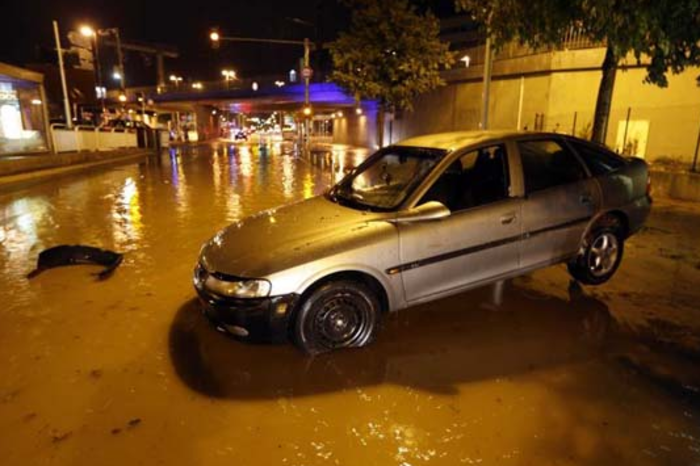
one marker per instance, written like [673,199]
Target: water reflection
[164,206]
[180,186]
[126,217]
[435,348]
[287,176]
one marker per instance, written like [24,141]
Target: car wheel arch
[350,274]
[609,215]
[614,215]
[622,218]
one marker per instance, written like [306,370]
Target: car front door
[477,242]
[560,200]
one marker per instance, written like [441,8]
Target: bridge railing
[194,87]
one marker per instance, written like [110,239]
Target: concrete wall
[683,186]
[356,130]
[563,87]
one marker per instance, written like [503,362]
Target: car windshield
[384,180]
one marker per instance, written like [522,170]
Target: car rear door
[477,242]
[560,200]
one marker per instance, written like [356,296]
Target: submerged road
[126,371]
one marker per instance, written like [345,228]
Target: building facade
[23,117]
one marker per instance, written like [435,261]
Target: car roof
[459,139]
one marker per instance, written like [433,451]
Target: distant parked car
[417,221]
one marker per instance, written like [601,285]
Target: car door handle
[508,218]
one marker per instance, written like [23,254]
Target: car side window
[548,163]
[598,159]
[479,177]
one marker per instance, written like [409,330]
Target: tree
[666,32]
[391,53]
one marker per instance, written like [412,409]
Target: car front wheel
[339,314]
[600,253]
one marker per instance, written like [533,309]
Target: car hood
[283,237]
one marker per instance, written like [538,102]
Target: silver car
[417,221]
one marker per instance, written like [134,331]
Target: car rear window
[548,163]
[598,159]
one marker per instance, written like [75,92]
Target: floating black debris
[59,256]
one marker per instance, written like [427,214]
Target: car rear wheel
[339,314]
[601,253]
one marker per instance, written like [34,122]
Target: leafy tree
[665,31]
[391,53]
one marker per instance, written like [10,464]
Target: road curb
[59,169]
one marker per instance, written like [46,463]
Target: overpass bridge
[333,111]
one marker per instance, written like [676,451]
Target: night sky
[26,32]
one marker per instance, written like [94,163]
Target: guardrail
[91,138]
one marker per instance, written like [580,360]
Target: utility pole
[520,103]
[307,78]
[216,38]
[120,57]
[306,43]
[488,65]
[64,86]
[98,71]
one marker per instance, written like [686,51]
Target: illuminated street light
[197,85]
[176,79]
[100,91]
[119,74]
[87,31]
[307,111]
[214,36]
[340,114]
[228,74]
[122,98]
[255,85]
[358,111]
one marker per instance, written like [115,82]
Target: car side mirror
[432,210]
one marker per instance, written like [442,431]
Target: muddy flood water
[126,371]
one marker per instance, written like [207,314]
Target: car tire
[338,314]
[600,254]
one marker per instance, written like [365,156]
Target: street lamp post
[229,75]
[90,33]
[176,79]
[120,57]
[216,39]
[64,86]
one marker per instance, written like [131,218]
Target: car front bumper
[258,320]
[251,319]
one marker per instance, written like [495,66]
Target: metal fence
[668,135]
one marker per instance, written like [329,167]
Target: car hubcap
[603,254]
[343,321]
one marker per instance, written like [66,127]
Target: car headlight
[238,289]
